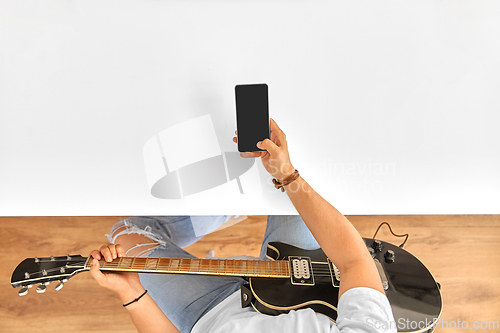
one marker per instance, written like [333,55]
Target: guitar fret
[243,267]
[222,267]
[195,264]
[205,266]
[126,263]
[139,264]
[168,263]
[262,268]
[174,264]
[159,265]
[151,264]
[186,267]
[211,269]
[249,267]
[177,264]
[182,265]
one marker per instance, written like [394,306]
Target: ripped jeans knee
[126,227]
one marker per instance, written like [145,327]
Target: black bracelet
[135,300]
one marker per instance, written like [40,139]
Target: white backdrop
[390,107]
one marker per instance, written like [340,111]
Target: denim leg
[186,298]
[182,230]
[289,229]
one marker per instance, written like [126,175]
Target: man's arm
[145,313]
[337,237]
[335,234]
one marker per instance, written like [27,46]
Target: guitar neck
[226,267]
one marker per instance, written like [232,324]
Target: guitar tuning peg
[23,291]
[41,288]
[59,285]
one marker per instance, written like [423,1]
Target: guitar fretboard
[227,267]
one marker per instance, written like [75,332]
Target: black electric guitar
[293,279]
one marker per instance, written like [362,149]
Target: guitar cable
[381,224]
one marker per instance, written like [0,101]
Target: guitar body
[412,291]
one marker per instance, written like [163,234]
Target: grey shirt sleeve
[365,310]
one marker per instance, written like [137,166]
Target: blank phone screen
[252,115]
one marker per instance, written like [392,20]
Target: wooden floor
[462,252]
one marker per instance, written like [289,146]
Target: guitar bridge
[301,269]
[334,273]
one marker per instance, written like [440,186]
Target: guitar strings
[58,268]
[43,260]
[184,268]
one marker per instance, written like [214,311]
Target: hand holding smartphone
[252,116]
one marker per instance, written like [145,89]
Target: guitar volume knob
[390,256]
[377,245]
[372,251]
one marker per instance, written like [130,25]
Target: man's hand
[275,159]
[145,314]
[126,285]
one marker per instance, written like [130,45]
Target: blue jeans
[186,298]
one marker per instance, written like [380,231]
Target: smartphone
[252,115]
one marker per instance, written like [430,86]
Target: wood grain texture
[460,251]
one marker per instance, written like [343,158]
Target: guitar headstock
[45,270]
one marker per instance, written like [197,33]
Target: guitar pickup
[301,269]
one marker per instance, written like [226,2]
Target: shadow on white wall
[186,159]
